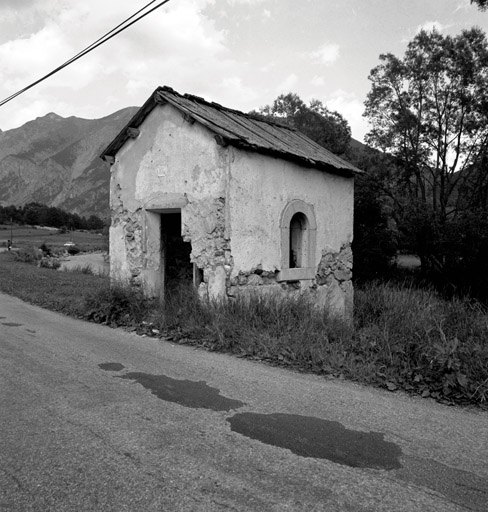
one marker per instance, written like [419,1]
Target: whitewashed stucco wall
[171,164]
[261,187]
[170,155]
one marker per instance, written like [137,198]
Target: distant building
[206,194]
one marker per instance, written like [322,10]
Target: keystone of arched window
[298,241]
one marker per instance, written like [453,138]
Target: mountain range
[55,161]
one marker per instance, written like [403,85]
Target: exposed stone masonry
[332,287]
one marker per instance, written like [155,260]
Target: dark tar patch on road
[314,437]
[11,324]
[188,393]
[111,367]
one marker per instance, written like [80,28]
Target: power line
[106,37]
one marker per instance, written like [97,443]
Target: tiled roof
[244,131]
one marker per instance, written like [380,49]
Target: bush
[50,262]
[28,255]
[73,250]
[117,305]
[45,249]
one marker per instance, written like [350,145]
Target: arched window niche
[298,241]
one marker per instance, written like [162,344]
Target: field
[26,236]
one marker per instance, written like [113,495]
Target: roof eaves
[347,171]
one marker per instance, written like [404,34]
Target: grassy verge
[59,291]
[402,338]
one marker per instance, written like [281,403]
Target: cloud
[37,107]
[327,54]
[31,56]
[226,92]
[15,4]
[351,108]
[462,6]
[318,81]
[429,26]
[287,84]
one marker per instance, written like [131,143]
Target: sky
[240,53]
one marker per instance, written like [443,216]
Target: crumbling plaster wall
[260,188]
[231,203]
[172,164]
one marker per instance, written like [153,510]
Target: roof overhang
[224,137]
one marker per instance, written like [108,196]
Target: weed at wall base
[117,305]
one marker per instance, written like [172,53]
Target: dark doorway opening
[176,265]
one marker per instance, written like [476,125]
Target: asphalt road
[97,419]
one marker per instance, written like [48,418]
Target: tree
[429,110]
[375,242]
[94,223]
[327,128]
[482,4]
[32,213]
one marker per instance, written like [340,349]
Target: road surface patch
[197,395]
[308,436]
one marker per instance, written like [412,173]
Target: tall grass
[402,337]
[421,342]
[117,305]
[265,327]
[82,269]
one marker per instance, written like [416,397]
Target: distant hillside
[55,161]
[357,145]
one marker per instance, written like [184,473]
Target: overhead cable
[106,37]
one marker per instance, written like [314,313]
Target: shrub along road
[94,418]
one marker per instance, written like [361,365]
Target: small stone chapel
[234,204]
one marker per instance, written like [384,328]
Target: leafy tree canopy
[482,4]
[327,128]
[430,110]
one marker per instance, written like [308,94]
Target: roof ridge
[218,106]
